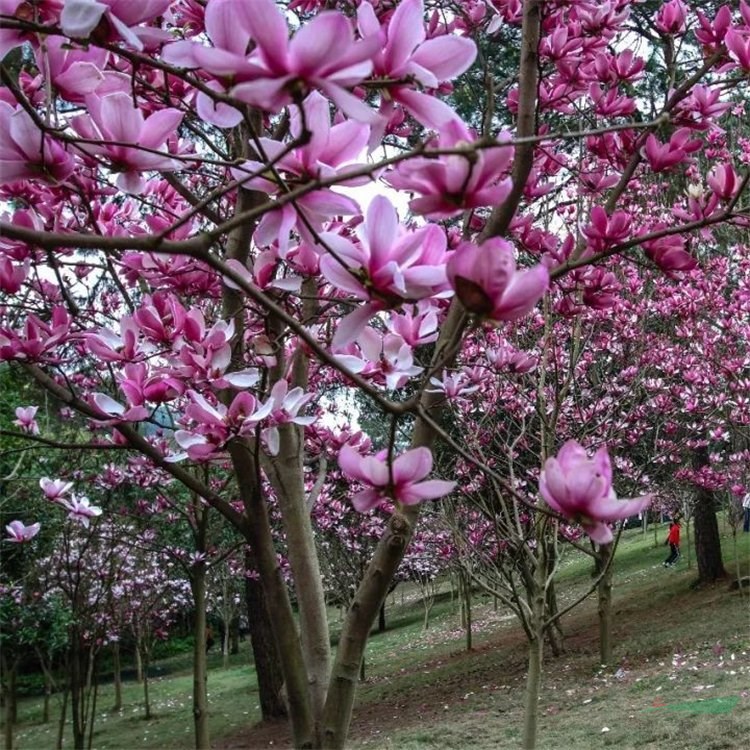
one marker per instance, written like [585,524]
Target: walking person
[673,540]
[746,510]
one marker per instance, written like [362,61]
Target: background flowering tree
[190,268]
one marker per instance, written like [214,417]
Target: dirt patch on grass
[483,689]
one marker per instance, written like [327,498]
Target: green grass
[683,656]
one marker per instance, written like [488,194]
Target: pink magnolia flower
[116,18]
[28,153]
[25,419]
[387,267]
[669,252]
[400,482]
[322,55]
[672,17]
[227,59]
[12,275]
[580,488]
[663,156]
[330,151]
[115,120]
[81,510]
[18,532]
[407,55]
[605,231]
[451,184]
[722,180]
[738,44]
[487,283]
[54,489]
[74,72]
[284,406]
[116,411]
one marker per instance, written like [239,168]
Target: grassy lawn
[681,678]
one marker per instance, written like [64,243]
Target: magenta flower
[671,17]
[322,55]
[80,18]
[74,72]
[407,54]
[401,482]
[18,532]
[27,153]
[115,120]
[580,488]
[26,419]
[387,267]
[451,184]
[487,283]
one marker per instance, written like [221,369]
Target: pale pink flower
[387,267]
[18,532]
[399,482]
[54,489]
[26,419]
[408,54]
[81,510]
[80,18]
[580,488]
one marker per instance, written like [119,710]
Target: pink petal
[412,466]
[446,56]
[352,325]
[430,490]
[80,17]
[405,32]
[159,126]
[524,291]
[269,30]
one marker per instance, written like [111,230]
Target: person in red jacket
[673,540]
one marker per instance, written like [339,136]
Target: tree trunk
[225,646]
[9,670]
[117,670]
[284,631]
[234,635]
[146,700]
[464,588]
[47,695]
[604,605]
[200,691]
[138,664]
[265,655]
[707,540]
[533,684]
[76,693]
[63,717]
[381,619]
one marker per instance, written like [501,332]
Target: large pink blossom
[580,488]
[323,55]
[387,267]
[448,185]
[399,482]
[488,284]
[28,153]
[122,128]
[407,55]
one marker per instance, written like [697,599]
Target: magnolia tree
[206,237]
